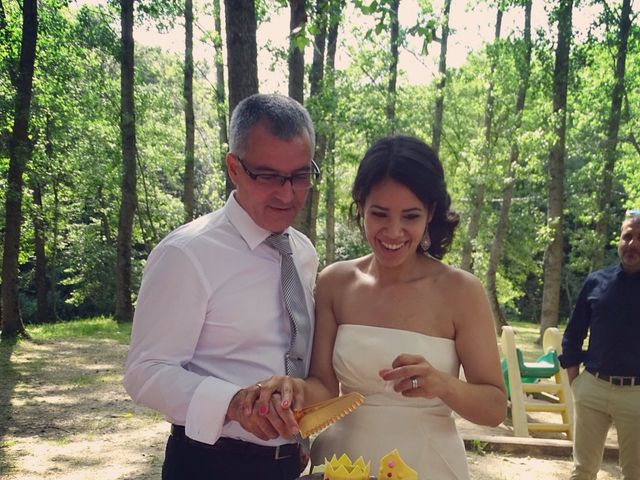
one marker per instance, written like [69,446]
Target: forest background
[107,144]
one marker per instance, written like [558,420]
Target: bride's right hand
[277,398]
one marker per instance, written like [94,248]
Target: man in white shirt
[210,320]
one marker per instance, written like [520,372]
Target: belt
[233,446]
[620,381]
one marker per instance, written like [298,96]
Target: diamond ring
[414,382]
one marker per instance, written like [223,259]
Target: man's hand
[265,409]
[572,373]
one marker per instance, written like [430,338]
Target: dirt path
[64,415]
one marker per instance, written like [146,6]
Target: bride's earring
[426,241]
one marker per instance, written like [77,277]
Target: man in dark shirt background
[608,389]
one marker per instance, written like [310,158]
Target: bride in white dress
[422,430]
[396,325]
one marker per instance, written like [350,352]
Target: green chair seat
[545,366]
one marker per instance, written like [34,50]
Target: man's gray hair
[283,116]
[631,216]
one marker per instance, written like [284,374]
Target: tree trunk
[42,309]
[242,54]
[124,306]
[442,77]
[393,66]
[150,235]
[524,65]
[189,117]
[316,75]
[477,201]
[297,24]
[19,155]
[221,107]
[305,220]
[53,263]
[330,202]
[611,143]
[555,218]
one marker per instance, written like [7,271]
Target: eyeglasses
[299,181]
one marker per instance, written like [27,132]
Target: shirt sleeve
[577,328]
[170,313]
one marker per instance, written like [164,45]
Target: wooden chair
[544,377]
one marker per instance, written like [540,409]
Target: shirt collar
[251,233]
[621,273]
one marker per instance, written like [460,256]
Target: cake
[344,469]
[393,467]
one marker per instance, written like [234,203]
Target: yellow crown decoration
[344,469]
[392,467]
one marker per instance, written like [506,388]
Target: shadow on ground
[68,416]
[8,379]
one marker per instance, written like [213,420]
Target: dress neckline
[398,330]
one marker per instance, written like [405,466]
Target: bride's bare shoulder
[342,271]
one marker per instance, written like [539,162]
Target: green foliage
[89,275]
[162,13]
[94,31]
[478,446]
[90,328]
[350,243]
[77,152]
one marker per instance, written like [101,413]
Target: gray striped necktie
[296,305]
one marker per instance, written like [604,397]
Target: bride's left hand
[413,376]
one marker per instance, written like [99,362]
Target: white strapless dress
[423,430]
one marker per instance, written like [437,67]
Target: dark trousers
[186,459]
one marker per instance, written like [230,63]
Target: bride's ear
[432,211]
[360,221]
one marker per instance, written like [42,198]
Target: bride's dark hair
[411,162]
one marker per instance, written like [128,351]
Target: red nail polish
[285,404]
[263,410]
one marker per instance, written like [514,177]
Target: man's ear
[232,167]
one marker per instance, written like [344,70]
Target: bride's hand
[413,376]
[276,398]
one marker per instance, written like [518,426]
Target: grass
[92,328]
[84,380]
[479,447]
[107,328]
[60,441]
[526,335]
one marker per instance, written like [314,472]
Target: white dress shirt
[210,320]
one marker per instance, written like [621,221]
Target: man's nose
[285,192]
